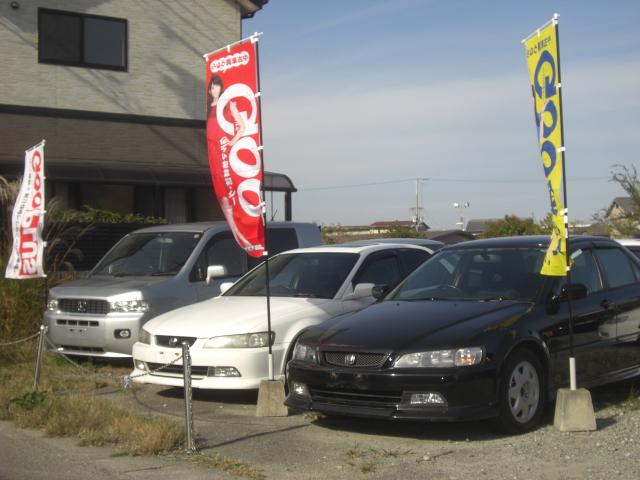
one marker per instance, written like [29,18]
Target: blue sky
[361,97]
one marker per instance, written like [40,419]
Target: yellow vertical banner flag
[543,61]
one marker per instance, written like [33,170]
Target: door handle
[606,304]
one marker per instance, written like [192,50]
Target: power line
[445,180]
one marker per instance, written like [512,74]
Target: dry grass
[67,406]
[234,467]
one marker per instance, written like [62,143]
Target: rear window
[617,266]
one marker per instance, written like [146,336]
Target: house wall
[166,40]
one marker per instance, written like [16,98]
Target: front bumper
[470,395]
[91,334]
[251,363]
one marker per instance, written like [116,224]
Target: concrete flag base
[574,411]
[271,399]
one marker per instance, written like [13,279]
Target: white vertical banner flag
[27,251]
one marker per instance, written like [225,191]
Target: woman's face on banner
[215,91]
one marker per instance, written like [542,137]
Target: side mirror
[380,291]
[578,291]
[361,290]
[225,286]
[215,271]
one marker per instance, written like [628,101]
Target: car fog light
[223,372]
[123,333]
[300,389]
[426,398]
[140,365]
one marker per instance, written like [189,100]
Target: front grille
[78,323]
[83,305]
[177,370]
[362,399]
[355,359]
[83,349]
[174,342]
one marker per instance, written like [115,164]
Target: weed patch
[232,466]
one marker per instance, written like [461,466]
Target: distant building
[477,226]
[117,89]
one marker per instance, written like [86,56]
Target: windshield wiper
[305,295]
[492,299]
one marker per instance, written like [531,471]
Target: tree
[629,221]
[511,225]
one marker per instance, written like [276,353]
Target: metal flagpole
[254,39]
[572,360]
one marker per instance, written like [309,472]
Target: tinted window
[148,254]
[278,240]
[488,274]
[412,258]
[379,271]
[220,250]
[584,271]
[69,38]
[310,275]
[617,266]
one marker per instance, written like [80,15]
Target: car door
[593,323]
[622,275]
[221,249]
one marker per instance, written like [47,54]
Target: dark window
[584,271]
[617,266]
[278,240]
[412,259]
[68,38]
[221,250]
[379,271]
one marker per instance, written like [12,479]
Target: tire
[522,393]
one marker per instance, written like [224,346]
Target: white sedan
[228,334]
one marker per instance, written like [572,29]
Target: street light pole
[418,208]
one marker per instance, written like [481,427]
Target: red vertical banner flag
[27,252]
[234,142]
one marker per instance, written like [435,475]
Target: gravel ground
[315,447]
[311,446]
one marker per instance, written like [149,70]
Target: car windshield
[149,254]
[309,274]
[482,274]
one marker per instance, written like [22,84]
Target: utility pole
[418,217]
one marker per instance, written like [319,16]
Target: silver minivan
[149,272]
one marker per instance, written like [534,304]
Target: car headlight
[129,306]
[144,336]
[245,340]
[461,357]
[305,353]
[52,304]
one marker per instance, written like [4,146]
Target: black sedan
[476,332]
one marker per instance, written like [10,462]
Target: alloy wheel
[523,392]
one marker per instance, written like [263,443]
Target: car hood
[104,286]
[232,315]
[401,325]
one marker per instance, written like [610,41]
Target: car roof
[422,242]
[530,241]
[201,227]
[359,249]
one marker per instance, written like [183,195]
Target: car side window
[383,270]
[278,240]
[412,258]
[584,270]
[617,266]
[222,249]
